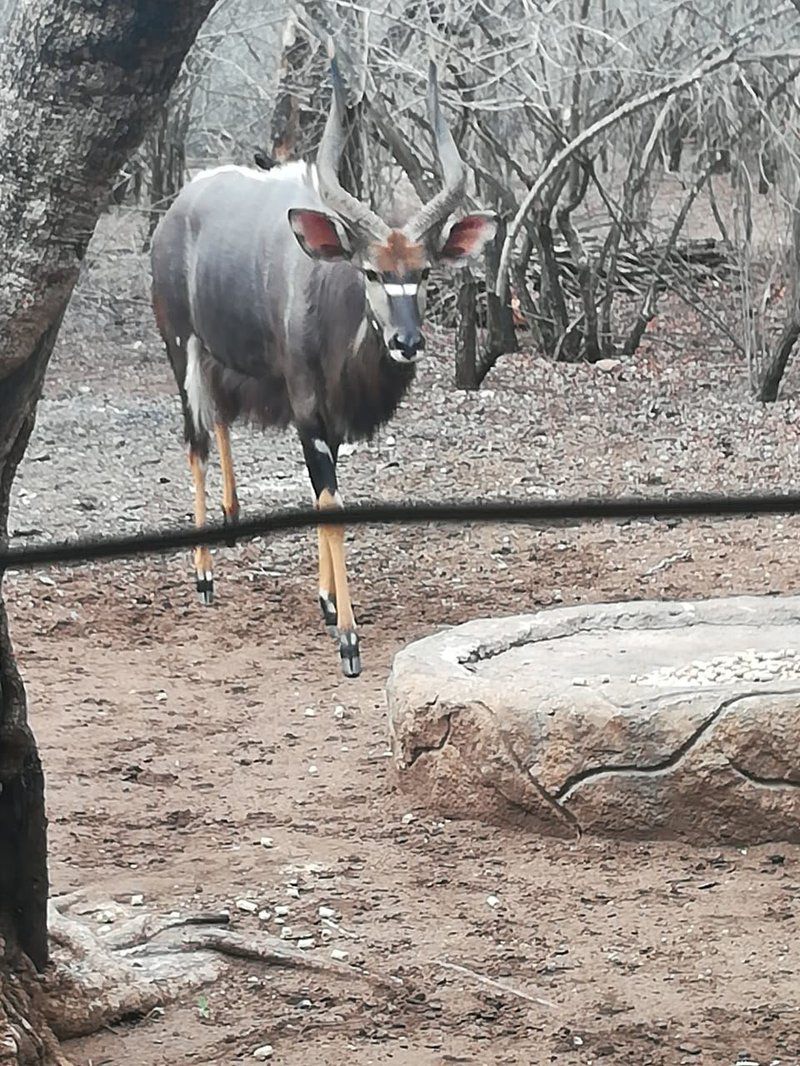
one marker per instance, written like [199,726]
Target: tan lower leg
[202,556]
[326,586]
[230,501]
[334,538]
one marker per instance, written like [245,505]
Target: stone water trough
[669,719]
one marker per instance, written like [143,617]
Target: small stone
[281,911]
[309,712]
[313,771]
[264,916]
[267,842]
[339,955]
[137,900]
[286,933]
[407,819]
[327,912]
[306,942]
[263,1053]
[339,711]
[247,905]
[580,682]
[492,901]
[293,891]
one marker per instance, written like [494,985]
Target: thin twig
[491,983]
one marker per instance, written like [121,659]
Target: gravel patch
[749,665]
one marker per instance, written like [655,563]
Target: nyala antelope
[282,299]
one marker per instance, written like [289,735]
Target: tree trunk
[23,873]
[771,375]
[301,102]
[80,84]
[467,333]
[166,148]
[501,336]
[769,382]
[298,117]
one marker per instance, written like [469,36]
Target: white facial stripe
[394,288]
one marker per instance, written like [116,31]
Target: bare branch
[626,110]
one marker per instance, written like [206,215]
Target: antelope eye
[371,275]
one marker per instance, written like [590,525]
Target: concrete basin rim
[451,652]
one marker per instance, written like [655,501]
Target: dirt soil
[175,737]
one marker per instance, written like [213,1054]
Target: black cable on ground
[538,512]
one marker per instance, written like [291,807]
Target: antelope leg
[230,501]
[327,591]
[203,566]
[334,592]
[349,650]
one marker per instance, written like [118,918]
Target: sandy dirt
[175,738]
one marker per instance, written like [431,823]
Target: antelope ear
[319,235]
[464,239]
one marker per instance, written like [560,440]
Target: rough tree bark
[81,82]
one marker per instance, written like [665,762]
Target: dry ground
[175,738]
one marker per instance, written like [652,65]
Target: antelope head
[395,263]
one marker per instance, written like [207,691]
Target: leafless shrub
[598,132]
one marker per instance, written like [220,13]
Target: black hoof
[230,521]
[327,604]
[350,653]
[205,588]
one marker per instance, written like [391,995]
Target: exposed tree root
[26,1039]
[96,979]
[261,947]
[123,966]
[133,962]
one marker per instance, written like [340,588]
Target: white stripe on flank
[200,403]
[395,289]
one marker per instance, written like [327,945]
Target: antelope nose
[408,343]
